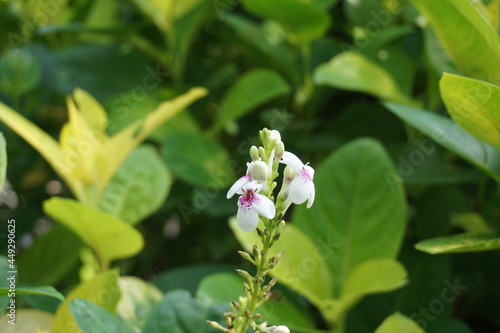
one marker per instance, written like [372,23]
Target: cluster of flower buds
[256,186]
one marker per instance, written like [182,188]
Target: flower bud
[260,171]
[289,173]
[262,153]
[254,153]
[275,135]
[280,150]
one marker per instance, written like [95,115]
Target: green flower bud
[254,153]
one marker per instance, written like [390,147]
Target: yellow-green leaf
[398,323]
[108,236]
[467,36]
[370,277]
[27,320]
[468,242]
[93,112]
[38,139]
[137,302]
[352,71]
[474,105]
[168,109]
[102,290]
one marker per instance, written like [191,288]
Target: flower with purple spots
[251,204]
[301,186]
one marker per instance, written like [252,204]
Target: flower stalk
[257,203]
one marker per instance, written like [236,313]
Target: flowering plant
[257,202]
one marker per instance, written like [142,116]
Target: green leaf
[108,236]
[139,188]
[460,243]
[93,318]
[226,287]
[305,21]
[478,55]
[42,291]
[280,55]
[3,160]
[102,290]
[302,268]
[474,105]
[369,277]
[137,302]
[398,323]
[252,89]
[354,198]
[57,245]
[178,312]
[21,71]
[196,159]
[352,71]
[448,134]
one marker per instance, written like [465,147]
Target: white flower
[251,204]
[301,188]
[276,329]
[241,182]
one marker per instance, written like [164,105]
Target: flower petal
[292,161]
[312,195]
[264,206]
[247,217]
[300,189]
[237,186]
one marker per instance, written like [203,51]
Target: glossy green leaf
[179,312]
[474,105]
[354,199]
[302,268]
[451,136]
[369,277]
[476,56]
[139,188]
[137,302]
[262,85]
[398,323]
[460,243]
[196,159]
[305,21]
[108,236]
[93,318]
[42,291]
[3,160]
[352,71]
[102,290]
[226,287]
